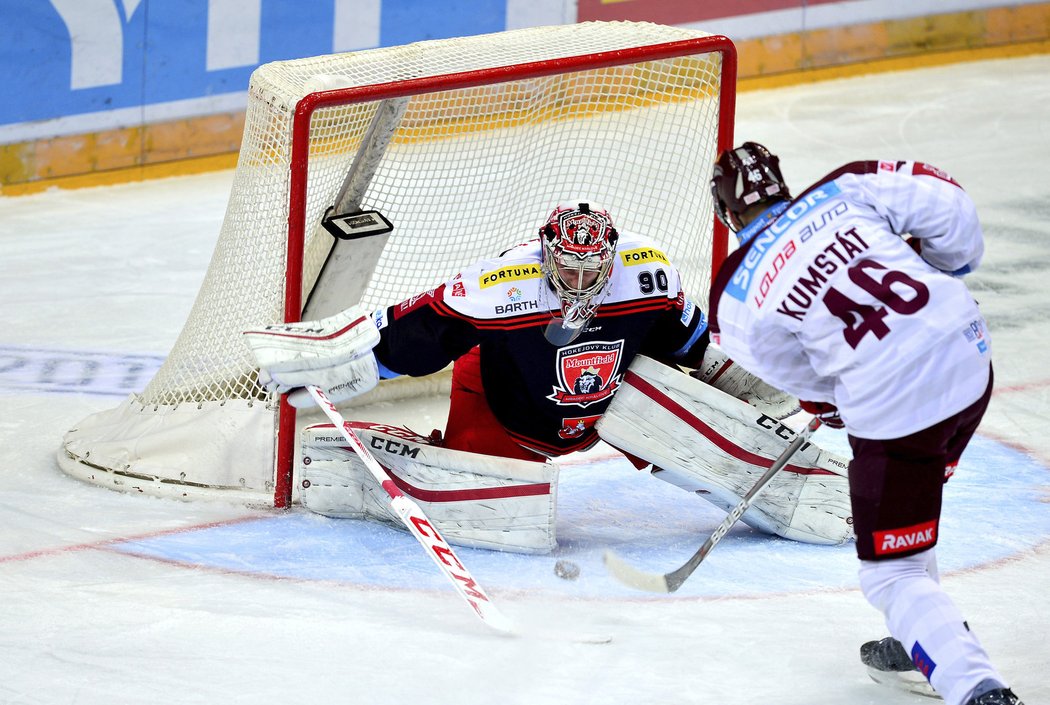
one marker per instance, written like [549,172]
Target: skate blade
[908,681]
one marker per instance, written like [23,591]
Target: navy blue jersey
[547,397]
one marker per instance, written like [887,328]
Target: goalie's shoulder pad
[473,500]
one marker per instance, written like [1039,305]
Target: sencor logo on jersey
[587,373]
[643,255]
[766,241]
[513,273]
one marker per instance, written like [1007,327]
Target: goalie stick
[437,548]
[669,582]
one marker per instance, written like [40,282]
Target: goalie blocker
[708,442]
[473,500]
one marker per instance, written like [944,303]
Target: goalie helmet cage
[465,145]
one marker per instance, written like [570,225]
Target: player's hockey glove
[827,413]
[334,353]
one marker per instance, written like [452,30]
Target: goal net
[464,145]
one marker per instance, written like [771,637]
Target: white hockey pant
[921,616]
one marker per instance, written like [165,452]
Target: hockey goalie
[576,336]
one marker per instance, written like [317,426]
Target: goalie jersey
[547,397]
[829,303]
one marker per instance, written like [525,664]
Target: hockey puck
[566,570]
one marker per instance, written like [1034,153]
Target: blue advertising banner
[62,58]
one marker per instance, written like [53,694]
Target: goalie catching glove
[334,353]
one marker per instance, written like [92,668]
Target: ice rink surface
[110,598]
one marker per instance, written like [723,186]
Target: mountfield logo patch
[907,538]
[588,373]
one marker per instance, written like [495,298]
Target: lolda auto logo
[587,373]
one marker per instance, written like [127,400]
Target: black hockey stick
[669,582]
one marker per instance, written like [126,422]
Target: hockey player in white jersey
[849,297]
[548,339]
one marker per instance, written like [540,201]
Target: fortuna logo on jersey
[643,255]
[588,373]
[513,273]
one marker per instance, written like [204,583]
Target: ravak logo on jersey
[907,538]
[514,273]
[587,373]
[642,255]
[766,241]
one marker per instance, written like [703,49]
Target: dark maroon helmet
[745,176]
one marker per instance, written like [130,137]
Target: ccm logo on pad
[907,538]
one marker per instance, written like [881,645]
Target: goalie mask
[744,177]
[578,249]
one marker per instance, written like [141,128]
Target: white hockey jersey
[828,301]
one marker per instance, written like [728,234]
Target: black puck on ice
[566,570]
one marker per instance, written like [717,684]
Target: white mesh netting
[466,173]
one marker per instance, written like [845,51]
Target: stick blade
[632,577]
[562,635]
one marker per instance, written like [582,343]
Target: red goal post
[464,145]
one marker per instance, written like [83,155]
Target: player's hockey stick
[669,582]
[413,517]
[418,524]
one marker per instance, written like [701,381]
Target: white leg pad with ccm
[707,442]
[474,500]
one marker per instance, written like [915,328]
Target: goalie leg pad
[474,500]
[710,443]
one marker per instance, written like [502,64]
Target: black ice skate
[999,696]
[889,664]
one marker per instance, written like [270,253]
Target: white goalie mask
[579,245]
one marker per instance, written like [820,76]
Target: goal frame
[300,157]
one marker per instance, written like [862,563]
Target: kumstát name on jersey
[843,249]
